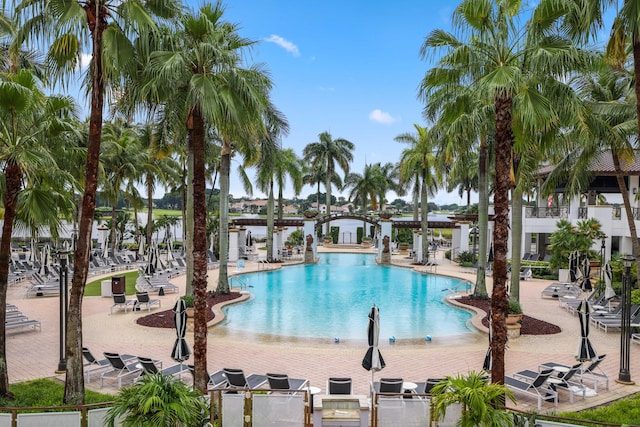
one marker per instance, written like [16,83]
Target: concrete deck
[35,354]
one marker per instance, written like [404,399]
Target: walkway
[35,354]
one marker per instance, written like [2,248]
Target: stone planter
[385,215]
[310,214]
[514,319]
[403,248]
[190,312]
[513,331]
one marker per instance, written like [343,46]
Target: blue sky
[351,68]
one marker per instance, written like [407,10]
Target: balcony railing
[540,212]
[583,213]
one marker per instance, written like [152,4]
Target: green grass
[46,392]
[93,289]
[623,411]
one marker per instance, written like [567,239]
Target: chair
[561,381]
[143,298]
[526,274]
[339,385]
[536,388]
[215,380]
[283,382]
[388,385]
[236,379]
[121,301]
[120,369]
[592,373]
[425,388]
[92,364]
[150,366]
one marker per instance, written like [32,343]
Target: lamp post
[63,256]
[624,376]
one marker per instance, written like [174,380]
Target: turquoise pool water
[332,299]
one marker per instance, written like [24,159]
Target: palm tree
[420,159]
[201,80]
[158,400]
[121,156]
[366,186]
[287,165]
[607,131]
[31,124]
[316,175]
[477,397]
[497,59]
[105,25]
[326,152]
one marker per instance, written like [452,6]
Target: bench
[22,324]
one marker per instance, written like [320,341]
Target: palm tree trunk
[424,219]
[627,207]
[416,198]
[74,380]
[499,298]
[280,202]
[189,224]
[197,143]
[270,209]
[516,243]
[13,177]
[225,167]
[636,71]
[114,218]
[149,207]
[480,290]
[328,197]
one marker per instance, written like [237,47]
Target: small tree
[159,400]
[478,398]
[569,238]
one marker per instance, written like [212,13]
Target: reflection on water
[332,299]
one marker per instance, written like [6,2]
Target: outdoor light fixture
[603,248]
[624,376]
[63,257]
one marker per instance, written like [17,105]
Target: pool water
[332,299]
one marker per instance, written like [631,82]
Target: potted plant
[515,312]
[385,214]
[189,303]
[311,213]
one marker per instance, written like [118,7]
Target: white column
[417,245]
[464,236]
[233,244]
[277,243]
[242,238]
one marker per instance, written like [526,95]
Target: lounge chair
[567,291]
[121,301]
[283,382]
[92,364]
[337,385]
[526,273]
[236,379]
[143,299]
[537,388]
[216,380]
[120,369]
[592,373]
[562,381]
[425,388]
[150,366]
[388,385]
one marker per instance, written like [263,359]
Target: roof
[602,165]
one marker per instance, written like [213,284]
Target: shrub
[465,257]
[359,234]
[188,300]
[514,307]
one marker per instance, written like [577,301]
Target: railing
[262,263]
[583,213]
[241,282]
[541,212]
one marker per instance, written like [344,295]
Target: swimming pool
[332,299]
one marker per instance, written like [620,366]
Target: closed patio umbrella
[608,277]
[181,350]
[586,270]
[44,261]
[373,360]
[573,267]
[486,365]
[585,349]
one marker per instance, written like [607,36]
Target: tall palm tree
[366,187]
[316,175]
[121,156]
[104,26]
[287,165]
[327,152]
[30,124]
[497,57]
[608,131]
[420,159]
[202,80]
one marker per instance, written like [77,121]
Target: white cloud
[85,60]
[285,44]
[380,116]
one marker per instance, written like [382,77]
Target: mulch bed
[530,325]
[164,319]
